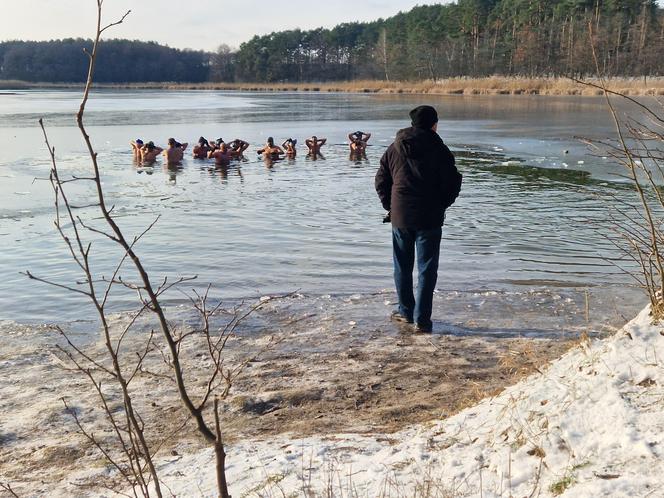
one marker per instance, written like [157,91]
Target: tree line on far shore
[119,61]
[467,38]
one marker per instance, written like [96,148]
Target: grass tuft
[560,486]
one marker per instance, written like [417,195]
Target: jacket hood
[416,142]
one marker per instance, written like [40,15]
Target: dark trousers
[405,243]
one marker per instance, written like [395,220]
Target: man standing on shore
[416,182]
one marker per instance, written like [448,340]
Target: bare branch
[90,437]
[141,357]
[54,284]
[83,355]
[128,327]
[7,487]
[114,23]
[95,230]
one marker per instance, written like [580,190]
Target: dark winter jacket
[417,179]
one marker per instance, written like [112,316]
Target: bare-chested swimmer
[222,155]
[150,152]
[175,151]
[270,150]
[237,148]
[136,146]
[289,147]
[358,142]
[314,144]
[201,149]
[215,145]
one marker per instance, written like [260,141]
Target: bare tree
[130,451]
[222,64]
[639,148]
[382,49]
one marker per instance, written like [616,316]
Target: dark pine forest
[472,38]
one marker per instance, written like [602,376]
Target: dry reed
[494,85]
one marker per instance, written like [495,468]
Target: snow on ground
[591,424]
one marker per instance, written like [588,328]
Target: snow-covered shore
[591,424]
[359,407]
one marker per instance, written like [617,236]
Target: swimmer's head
[150,145]
[172,142]
[202,141]
[270,141]
[358,134]
[314,138]
[139,141]
[220,141]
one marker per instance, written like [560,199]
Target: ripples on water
[529,215]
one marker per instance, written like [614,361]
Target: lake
[529,219]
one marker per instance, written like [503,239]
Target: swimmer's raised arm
[136,147]
[242,146]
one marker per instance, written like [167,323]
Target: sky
[196,24]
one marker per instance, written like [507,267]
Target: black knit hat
[423,116]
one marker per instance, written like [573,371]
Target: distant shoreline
[453,86]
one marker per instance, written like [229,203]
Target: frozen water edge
[534,311]
[341,367]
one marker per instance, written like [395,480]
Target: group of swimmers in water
[223,152]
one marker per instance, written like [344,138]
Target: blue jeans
[404,244]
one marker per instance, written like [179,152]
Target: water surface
[528,218]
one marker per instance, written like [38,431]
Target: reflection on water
[529,215]
[315,156]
